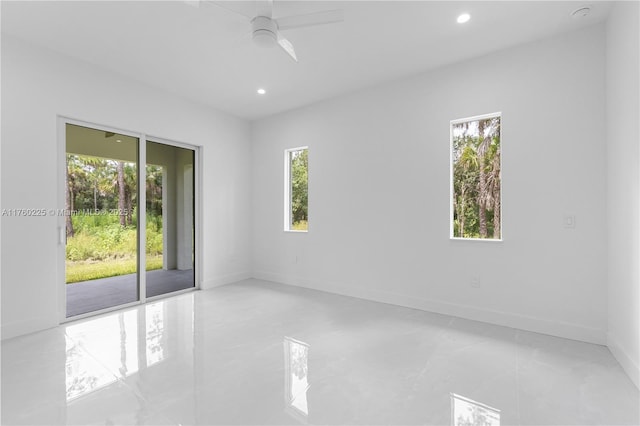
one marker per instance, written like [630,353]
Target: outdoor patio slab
[89,296]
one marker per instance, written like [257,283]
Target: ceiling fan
[266,30]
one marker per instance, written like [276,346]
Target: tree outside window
[297,185]
[476,178]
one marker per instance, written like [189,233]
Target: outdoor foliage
[102,224]
[476,179]
[102,238]
[299,189]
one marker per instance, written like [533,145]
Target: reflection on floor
[216,357]
[465,411]
[296,358]
[89,296]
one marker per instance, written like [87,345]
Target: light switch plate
[569,221]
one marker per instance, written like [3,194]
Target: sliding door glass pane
[101,219]
[170,219]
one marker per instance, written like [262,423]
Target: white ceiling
[204,54]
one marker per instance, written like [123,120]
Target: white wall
[379,191]
[37,86]
[623,138]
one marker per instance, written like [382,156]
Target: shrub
[101,237]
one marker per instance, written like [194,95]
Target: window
[296,192]
[476,197]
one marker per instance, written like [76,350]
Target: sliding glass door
[101,219]
[118,215]
[170,254]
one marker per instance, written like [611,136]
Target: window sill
[485,240]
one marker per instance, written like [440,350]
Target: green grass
[101,248]
[92,270]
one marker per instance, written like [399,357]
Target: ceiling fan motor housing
[264,31]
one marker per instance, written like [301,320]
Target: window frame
[287,189]
[452,236]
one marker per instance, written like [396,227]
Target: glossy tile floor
[262,353]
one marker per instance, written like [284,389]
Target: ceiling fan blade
[317,18]
[230,6]
[287,47]
[264,8]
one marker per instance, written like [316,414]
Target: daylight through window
[476,178]
[296,189]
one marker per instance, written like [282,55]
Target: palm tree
[497,231]
[130,180]
[465,175]
[121,194]
[483,145]
[154,190]
[492,169]
[76,183]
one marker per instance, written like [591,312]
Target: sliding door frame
[197,211]
[142,220]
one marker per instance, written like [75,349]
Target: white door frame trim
[61,225]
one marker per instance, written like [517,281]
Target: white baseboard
[507,319]
[224,280]
[19,328]
[629,365]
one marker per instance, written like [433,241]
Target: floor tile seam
[94,358]
[441,331]
[518,411]
[118,377]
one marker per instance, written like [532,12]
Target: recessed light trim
[463,18]
[261,91]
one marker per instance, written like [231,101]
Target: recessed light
[463,18]
[118,140]
[261,91]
